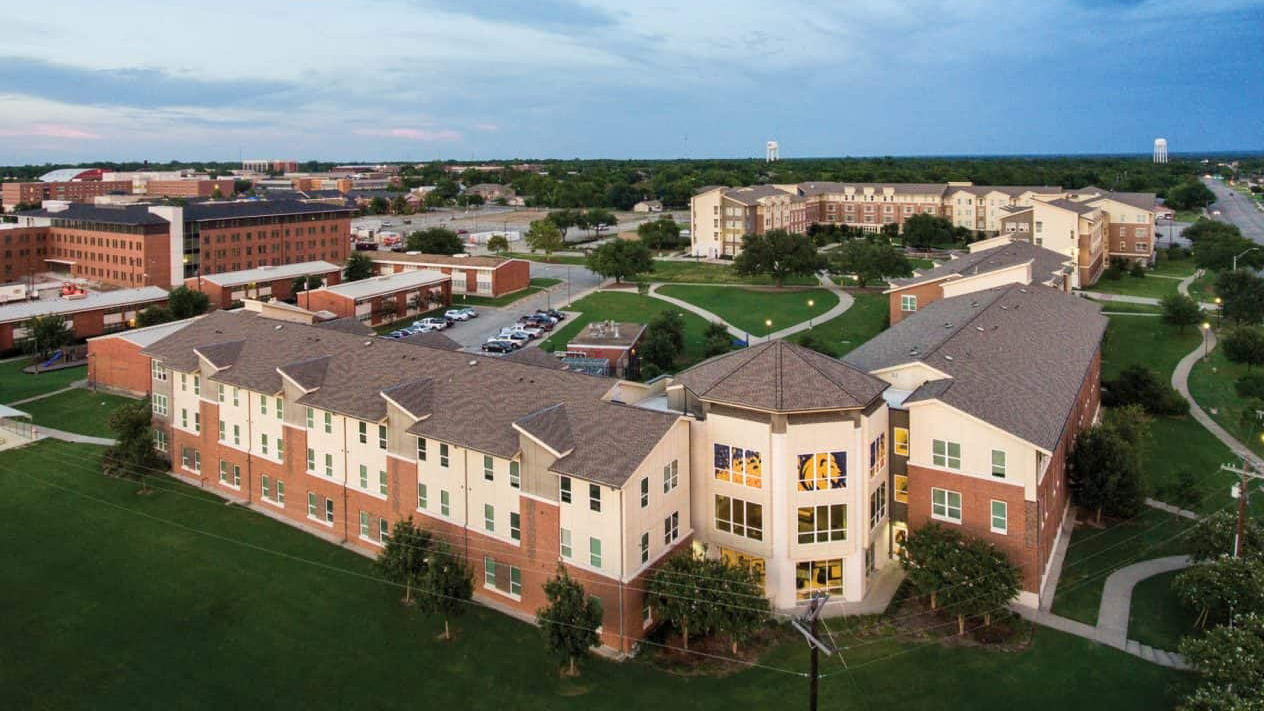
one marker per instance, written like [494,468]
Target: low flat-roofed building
[115,362]
[261,282]
[381,299]
[487,275]
[611,341]
[90,315]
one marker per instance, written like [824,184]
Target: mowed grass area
[1161,619]
[1212,384]
[80,411]
[705,273]
[1114,307]
[16,385]
[626,307]
[866,318]
[1151,286]
[1173,267]
[183,602]
[1203,289]
[750,309]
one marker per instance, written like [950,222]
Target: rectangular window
[382,488]
[311,419]
[737,465]
[946,454]
[671,528]
[567,551]
[820,471]
[329,423]
[645,547]
[671,476]
[489,473]
[184,418]
[311,459]
[236,392]
[901,441]
[818,576]
[364,432]
[489,572]
[329,465]
[1000,517]
[998,463]
[564,489]
[444,507]
[878,454]
[381,437]
[421,449]
[223,471]
[421,496]
[820,524]
[279,408]
[945,505]
[515,475]
[160,440]
[594,497]
[489,518]
[383,530]
[443,454]
[364,477]
[222,430]
[159,372]
[515,526]
[263,406]
[221,389]
[901,488]
[908,302]
[280,448]
[741,518]
[594,552]
[312,510]
[263,444]
[280,492]
[160,405]
[878,505]
[329,510]
[364,524]
[237,435]
[266,486]
[197,384]
[645,491]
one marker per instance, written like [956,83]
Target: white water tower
[1160,150]
[772,151]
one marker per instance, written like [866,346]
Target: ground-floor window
[818,576]
[160,440]
[501,577]
[945,505]
[1000,517]
[753,563]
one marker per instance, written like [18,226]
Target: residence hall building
[488,275]
[382,299]
[343,435]
[721,216]
[988,391]
[70,184]
[190,187]
[162,245]
[988,263]
[91,315]
[265,282]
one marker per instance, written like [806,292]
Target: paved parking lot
[471,334]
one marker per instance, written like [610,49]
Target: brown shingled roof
[551,426]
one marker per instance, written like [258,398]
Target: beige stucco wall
[1016,274]
[931,420]
[704,223]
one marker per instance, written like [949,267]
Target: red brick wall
[121,259]
[22,252]
[117,364]
[317,300]
[6,337]
[511,276]
[189,188]
[925,293]
[224,249]
[1130,241]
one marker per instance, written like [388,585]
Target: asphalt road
[1238,209]
[472,333]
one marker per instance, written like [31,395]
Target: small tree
[779,254]
[621,259]
[1250,386]
[662,233]
[447,585]
[46,334]
[315,281]
[923,231]
[358,267]
[403,557]
[544,236]
[434,240]
[1105,472]
[672,324]
[1245,345]
[1180,311]
[298,284]
[741,607]
[570,620]
[1221,588]
[1241,295]
[187,303]
[679,596]
[980,581]
[716,340]
[870,261]
[1138,385]
[498,244]
[153,315]
[817,343]
[1230,662]
[599,218]
[927,555]
[1213,535]
[132,455]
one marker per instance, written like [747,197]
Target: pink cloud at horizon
[50,131]
[412,134]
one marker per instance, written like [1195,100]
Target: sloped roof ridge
[827,376]
[1004,291]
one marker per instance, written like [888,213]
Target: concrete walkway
[845,301]
[73,386]
[42,431]
[1174,510]
[1180,381]
[1112,615]
[1122,298]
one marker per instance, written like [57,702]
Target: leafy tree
[1241,295]
[379,205]
[1213,536]
[1217,251]
[399,205]
[1204,227]
[1137,270]
[358,267]
[679,595]
[564,219]
[544,236]
[1181,311]
[870,261]
[402,560]
[662,343]
[242,186]
[1189,195]
[662,233]
[927,556]
[447,585]
[779,254]
[741,607]
[1139,385]
[890,230]
[817,343]
[671,323]
[298,284]
[598,219]
[434,240]
[1220,588]
[966,576]
[45,334]
[498,244]
[621,259]
[187,303]
[1250,386]
[153,315]
[315,281]
[132,455]
[570,620]
[1230,662]
[1245,345]
[923,231]
[1105,472]
[716,340]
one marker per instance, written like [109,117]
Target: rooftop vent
[276,327]
[473,362]
[979,329]
[947,324]
[368,343]
[947,357]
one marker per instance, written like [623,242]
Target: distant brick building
[473,275]
[88,316]
[190,187]
[382,299]
[261,282]
[615,343]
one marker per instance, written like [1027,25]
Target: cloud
[51,131]
[549,14]
[486,127]
[139,87]
[412,134]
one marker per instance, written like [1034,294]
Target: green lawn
[1154,287]
[922,263]
[1212,385]
[749,309]
[81,411]
[1173,267]
[866,318]
[1203,289]
[627,307]
[16,385]
[498,301]
[1148,341]
[1125,307]
[704,273]
[182,602]
[1159,620]
[545,282]
[1188,215]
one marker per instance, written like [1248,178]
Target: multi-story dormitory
[1090,225]
[809,469]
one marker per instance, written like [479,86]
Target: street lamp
[1235,259]
[1206,339]
[811,303]
[1217,311]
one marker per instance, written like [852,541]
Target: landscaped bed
[750,310]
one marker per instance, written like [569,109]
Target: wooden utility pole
[807,626]
[1249,470]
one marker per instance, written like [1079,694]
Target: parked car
[553,313]
[472,313]
[435,322]
[418,327]
[532,331]
[457,314]
[398,334]
[542,322]
[518,337]
[495,346]
[514,345]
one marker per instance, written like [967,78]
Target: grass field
[80,411]
[1154,287]
[16,385]
[174,600]
[866,318]
[748,309]
[1174,267]
[1161,619]
[1212,385]
[1125,307]
[631,307]
[704,273]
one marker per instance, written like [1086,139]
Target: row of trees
[960,575]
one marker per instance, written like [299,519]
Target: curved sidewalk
[1180,381]
[845,301]
[1116,605]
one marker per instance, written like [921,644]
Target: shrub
[1250,385]
[1138,385]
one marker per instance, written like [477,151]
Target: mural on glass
[822,470]
[740,466]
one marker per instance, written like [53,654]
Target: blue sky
[427,79]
